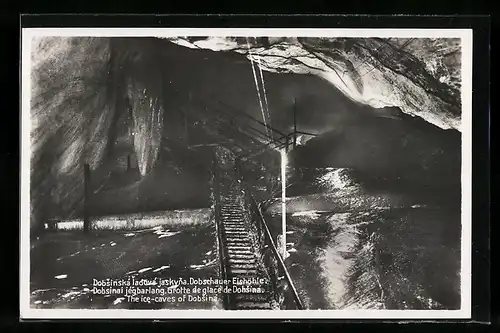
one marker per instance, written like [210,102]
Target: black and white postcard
[246,173]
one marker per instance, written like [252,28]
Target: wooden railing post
[218,226]
[186,119]
[86,198]
[294,124]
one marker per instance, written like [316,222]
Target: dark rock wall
[71,110]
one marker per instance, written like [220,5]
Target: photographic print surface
[246,172]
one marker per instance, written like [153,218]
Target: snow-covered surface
[139,221]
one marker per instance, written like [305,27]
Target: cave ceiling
[421,76]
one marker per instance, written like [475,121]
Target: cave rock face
[421,76]
[69,98]
[70,117]
[80,87]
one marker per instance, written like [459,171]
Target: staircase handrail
[269,239]
[218,226]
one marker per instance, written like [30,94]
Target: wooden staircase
[240,251]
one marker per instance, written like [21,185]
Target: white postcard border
[466,244]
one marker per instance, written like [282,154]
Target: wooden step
[237,250]
[237,233]
[239,242]
[253,305]
[245,245]
[237,236]
[236,240]
[243,271]
[251,297]
[243,260]
[249,266]
[241,248]
[232,214]
[241,230]
[241,256]
[231,222]
[241,225]
[233,218]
